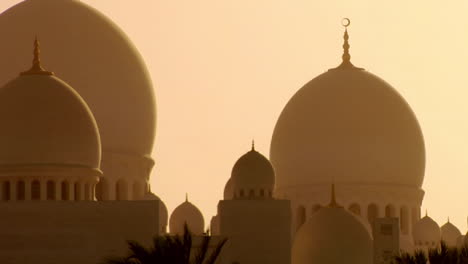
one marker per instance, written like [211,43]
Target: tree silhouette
[439,255]
[170,250]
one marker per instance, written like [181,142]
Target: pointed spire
[346,63]
[426,212]
[333,203]
[448,219]
[36,67]
[253,144]
[186,197]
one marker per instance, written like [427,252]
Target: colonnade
[46,189]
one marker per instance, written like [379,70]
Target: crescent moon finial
[345,22]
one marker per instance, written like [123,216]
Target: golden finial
[333,203]
[346,63]
[36,67]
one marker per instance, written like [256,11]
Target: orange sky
[223,70]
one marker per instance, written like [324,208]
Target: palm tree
[170,250]
[419,257]
[439,255]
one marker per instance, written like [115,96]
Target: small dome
[163,213]
[329,231]
[450,234]
[189,214]
[46,122]
[426,233]
[228,190]
[253,176]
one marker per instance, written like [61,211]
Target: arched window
[355,209]
[65,191]
[262,193]
[300,216]
[404,220]
[6,191]
[121,191]
[251,193]
[20,191]
[77,188]
[372,212]
[50,190]
[390,211]
[241,193]
[35,190]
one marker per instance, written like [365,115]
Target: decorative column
[71,191]
[81,191]
[43,194]
[13,192]
[27,190]
[58,191]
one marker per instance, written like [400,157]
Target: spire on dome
[333,203]
[346,63]
[36,67]
[186,197]
[253,145]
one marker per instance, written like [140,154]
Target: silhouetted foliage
[170,250]
[440,255]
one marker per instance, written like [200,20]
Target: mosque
[346,166]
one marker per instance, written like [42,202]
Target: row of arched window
[46,190]
[252,193]
[121,190]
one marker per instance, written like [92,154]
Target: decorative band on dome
[36,68]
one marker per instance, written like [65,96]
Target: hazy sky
[223,71]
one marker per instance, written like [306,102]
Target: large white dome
[95,57]
[350,125]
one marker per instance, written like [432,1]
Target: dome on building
[330,230]
[252,176]
[450,234]
[350,125]
[189,214]
[163,213]
[46,122]
[426,233]
[228,190]
[94,56]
